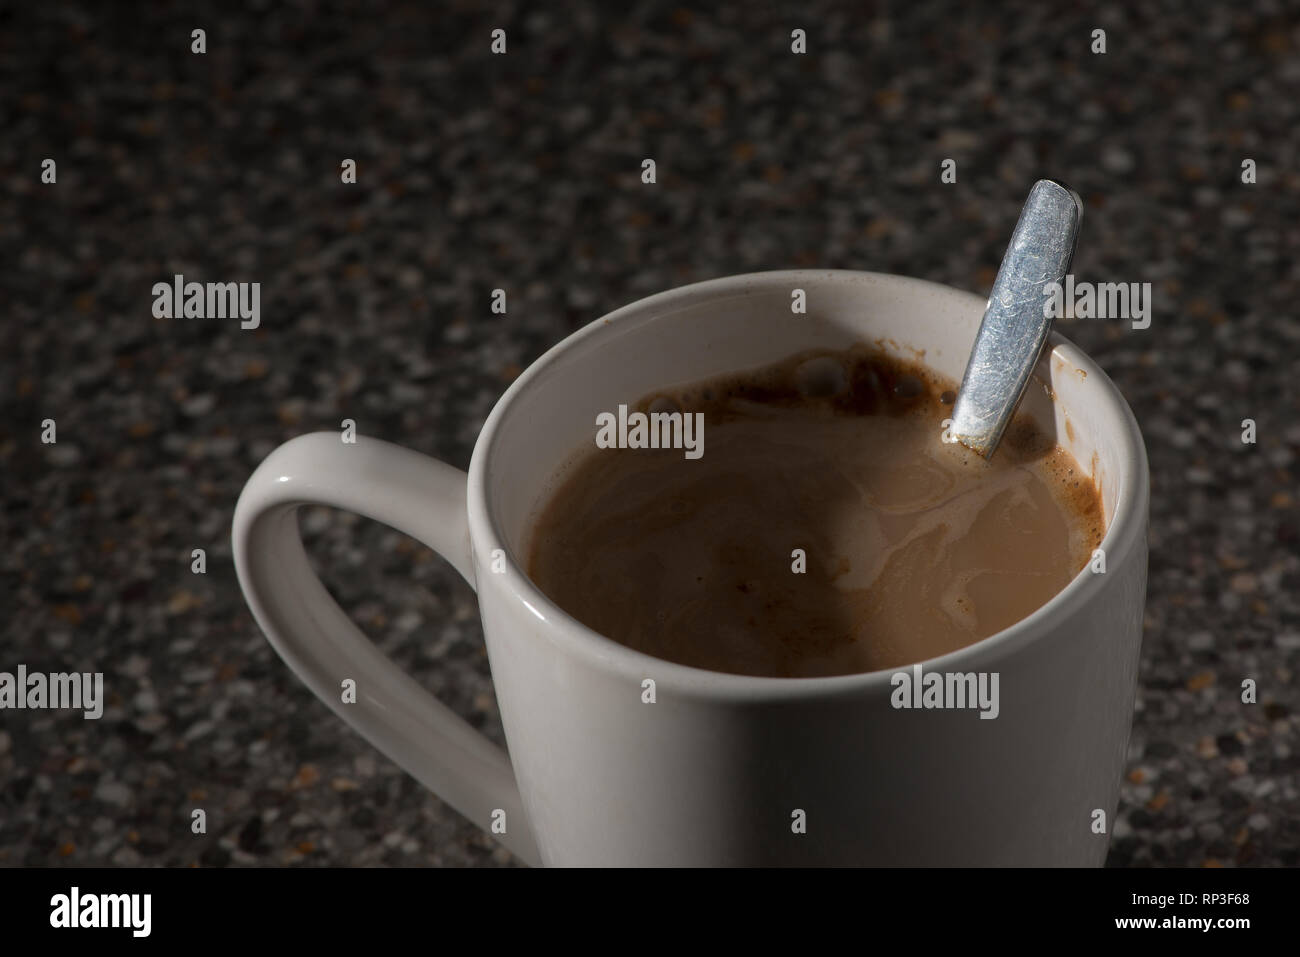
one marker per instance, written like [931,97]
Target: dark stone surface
[522,172]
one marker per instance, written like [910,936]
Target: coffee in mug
[825,527]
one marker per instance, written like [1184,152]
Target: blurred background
[522,172]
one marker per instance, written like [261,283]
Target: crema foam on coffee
[827,529]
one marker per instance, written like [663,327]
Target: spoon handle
[1015,324]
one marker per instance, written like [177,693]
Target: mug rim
[1126,526]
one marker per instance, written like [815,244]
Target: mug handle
[425,499]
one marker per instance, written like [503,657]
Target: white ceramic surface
[713,771]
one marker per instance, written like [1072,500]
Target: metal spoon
[1015,324]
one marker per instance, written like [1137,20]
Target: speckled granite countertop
[522,172]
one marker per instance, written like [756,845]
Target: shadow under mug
[722,769]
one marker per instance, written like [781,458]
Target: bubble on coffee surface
[908,387]
[663,403]
[821,376]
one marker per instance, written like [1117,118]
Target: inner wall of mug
[547,421]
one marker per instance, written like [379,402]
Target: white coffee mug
[723,769]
